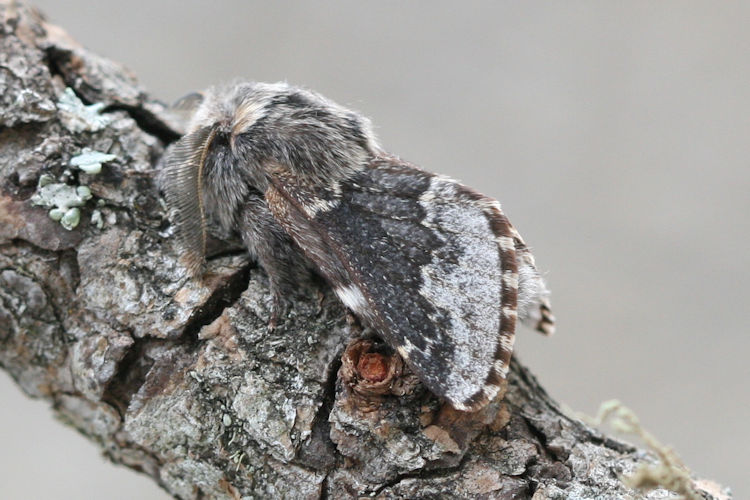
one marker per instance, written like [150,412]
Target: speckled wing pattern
[427,262]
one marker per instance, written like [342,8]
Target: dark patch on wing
[374,233]
[388,254]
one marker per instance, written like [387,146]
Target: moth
[433,266]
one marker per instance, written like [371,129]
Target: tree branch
[182,380]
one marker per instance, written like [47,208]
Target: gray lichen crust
[181,379]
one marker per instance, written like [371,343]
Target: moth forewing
[401,247]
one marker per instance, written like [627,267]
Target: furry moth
[432,265]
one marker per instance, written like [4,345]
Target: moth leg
[321,300]
[275,252]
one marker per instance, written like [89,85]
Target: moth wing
[181,181]
[424,260]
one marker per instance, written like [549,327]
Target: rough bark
[182,380]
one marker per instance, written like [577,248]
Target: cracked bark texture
[181,380]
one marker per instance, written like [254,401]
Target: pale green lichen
[78,117]
[45,180]
[226,420]
[62,200]
[90,161]
[84,192]
[71,218]
[669,473]
[97,219]
[56,214]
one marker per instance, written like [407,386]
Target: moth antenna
[199,174]
[182,182]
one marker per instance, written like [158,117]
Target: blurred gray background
[615,134]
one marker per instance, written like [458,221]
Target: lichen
[669,473]
[97,219]
[62,199]
[78,117]
[90,161]
[71,218]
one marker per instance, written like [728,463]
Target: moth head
[277,124]
[239,135]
